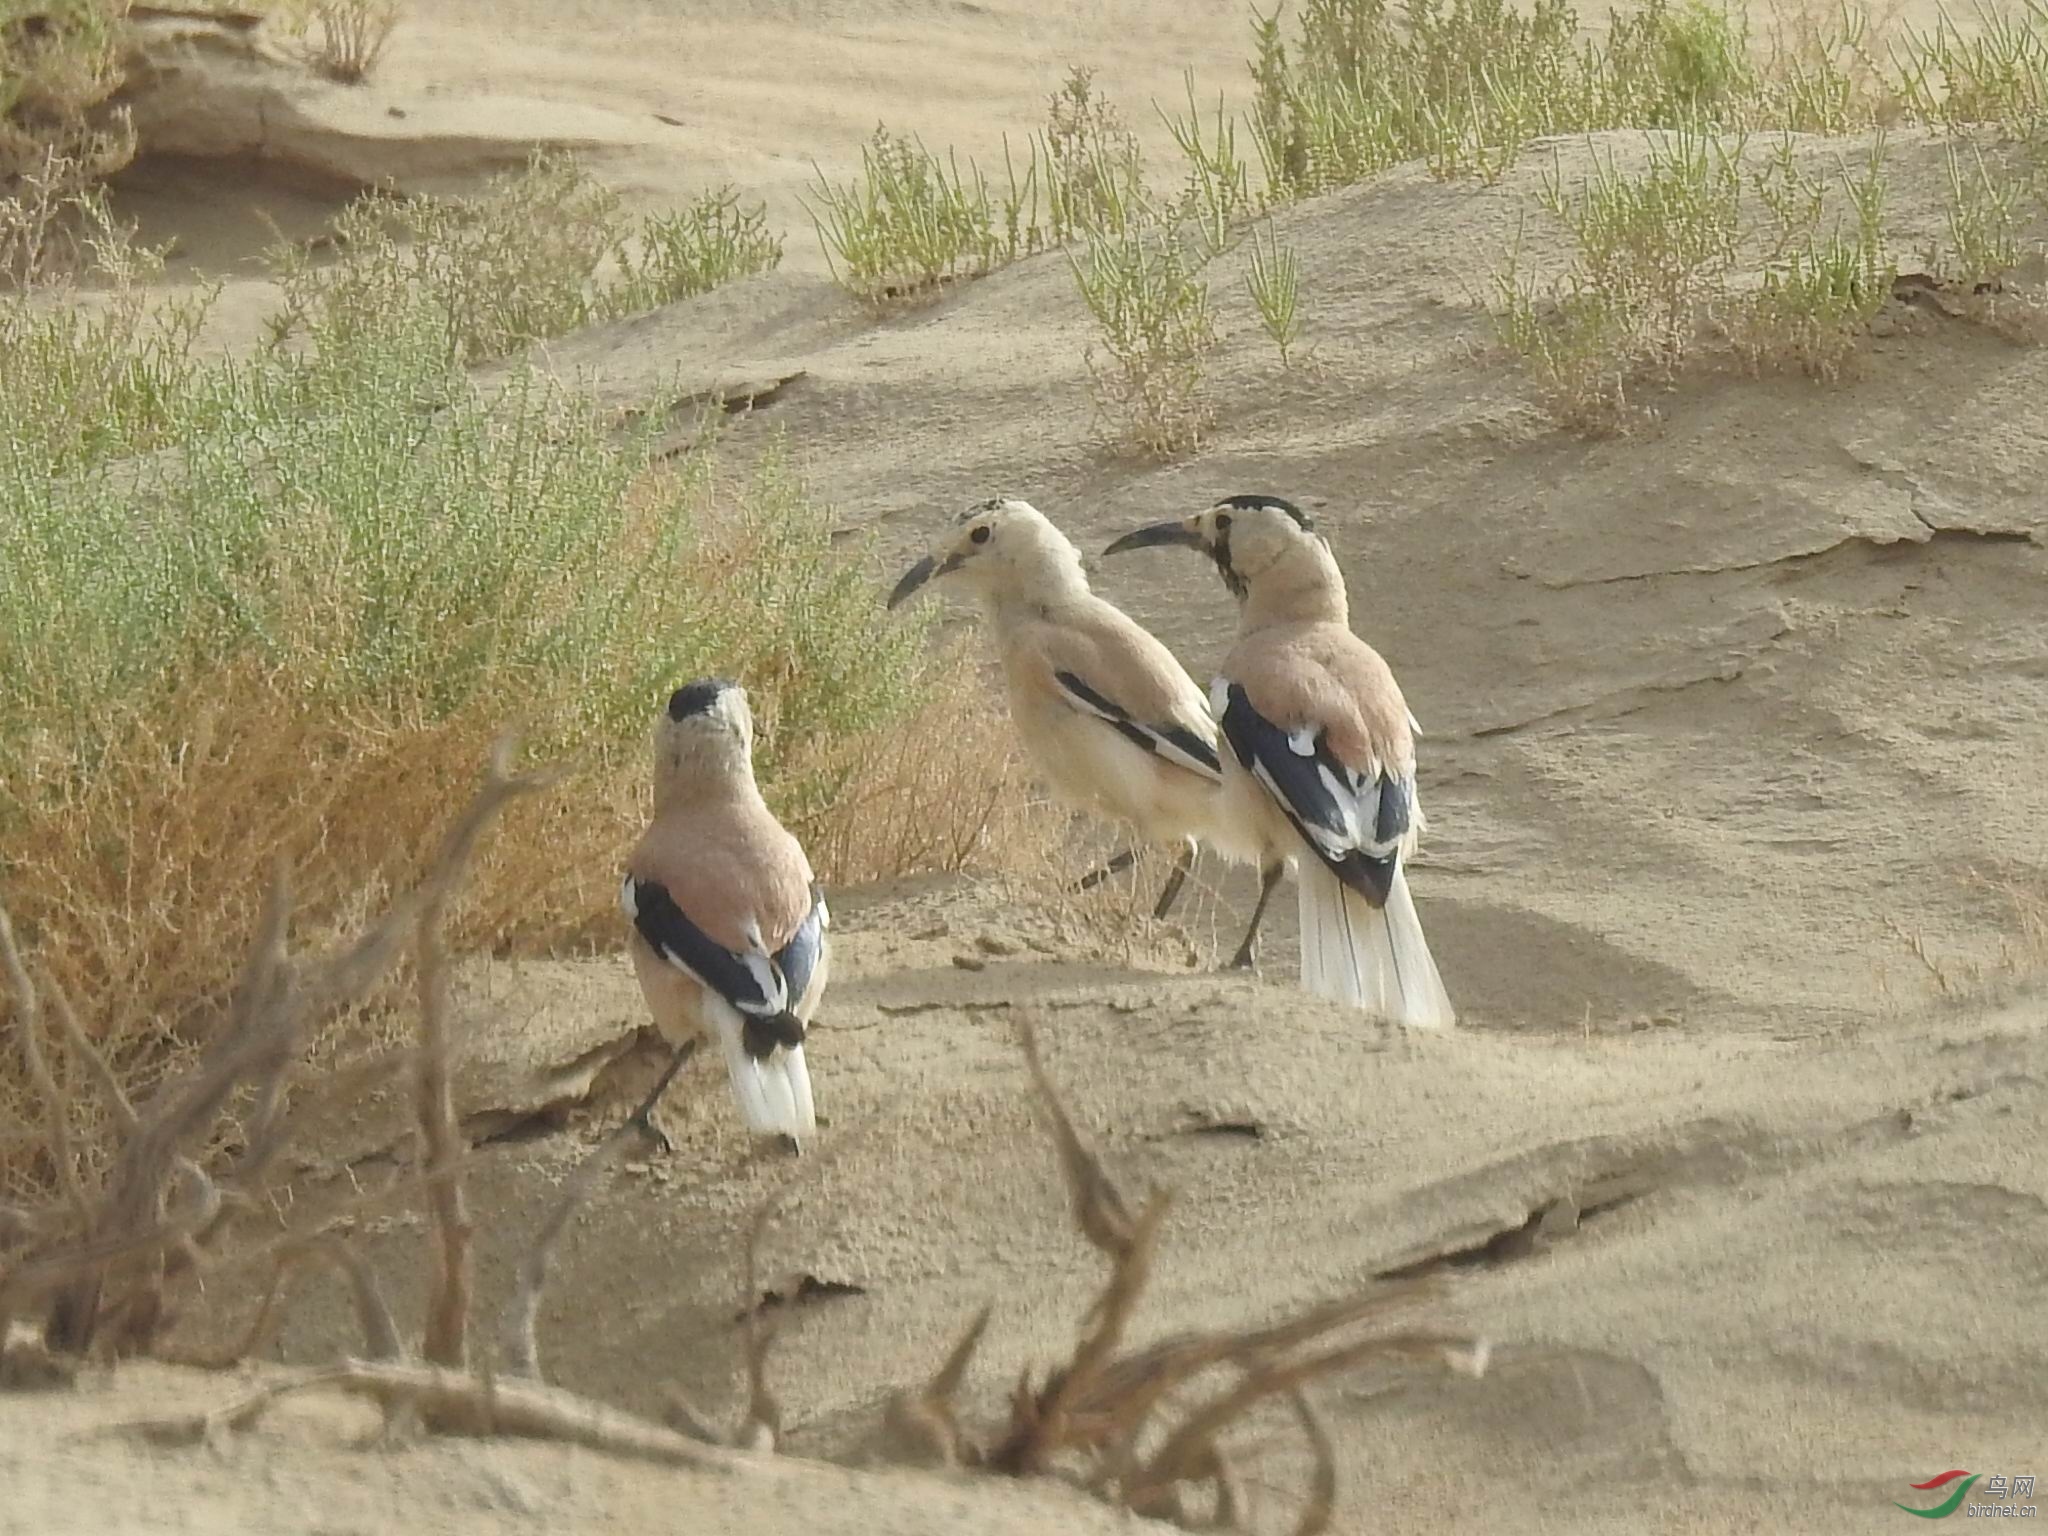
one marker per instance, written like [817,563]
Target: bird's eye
[1223,522]
[980,535]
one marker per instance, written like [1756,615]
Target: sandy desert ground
[1733,742]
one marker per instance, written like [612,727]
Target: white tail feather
[1374,959]
[774,1094]
[800,1090]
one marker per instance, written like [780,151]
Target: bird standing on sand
[1106,714]
[728,926]
[1321,758]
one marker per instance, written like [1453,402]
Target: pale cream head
[1267,551]
[704,740]
[1000,550]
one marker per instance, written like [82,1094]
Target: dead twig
[380,1333]
[57,1114]
[448,1308]
[1189,1453]
[1098,1408]
[1100,1210]
[39,1277]
[129,1222]
[459,1403]
[519,1345]
[1044,1421]
[119,1109]
[922,1426]
[760,1427]
[1126,1394]
[446,1341]
[131,1237]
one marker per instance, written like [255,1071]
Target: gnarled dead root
[1107,1418]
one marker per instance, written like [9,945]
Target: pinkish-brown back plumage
[728,927]
[1318,757]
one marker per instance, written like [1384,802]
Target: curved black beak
[1157,533]
[914,578]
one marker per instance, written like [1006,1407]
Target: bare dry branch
[448,1309]
[519,1345]
[1097,1408]
[257,1046]
[140,1309]
[1188,1453]
[446,1342]
[119,1109]
[923,1425]
[259,1036]
[1100,1209]
[380,1332]
[28,1027]
[762,1427]
[69,1271]
[1127,1393]
[1045,1422]
[262,1327]
[463,1404]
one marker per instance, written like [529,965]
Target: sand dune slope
[1798,1278]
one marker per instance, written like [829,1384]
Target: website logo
[2002,1496]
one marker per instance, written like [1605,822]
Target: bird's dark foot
[643,1122]
[1243,960]
[642,1118]
[790,1145]
[1171,892]
[1115,866]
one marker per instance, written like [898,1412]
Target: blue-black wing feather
[1141,734]
[743,981]
[798,958]
[1301,785]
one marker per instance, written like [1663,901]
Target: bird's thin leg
[643,1117]
[1269,878]
[1115,866]
[1174,881]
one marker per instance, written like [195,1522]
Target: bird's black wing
[752,983]
[1354,822]
[798,959]
[1175,743]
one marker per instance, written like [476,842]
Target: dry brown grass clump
[943,789]
[131,882]
[103,1267]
